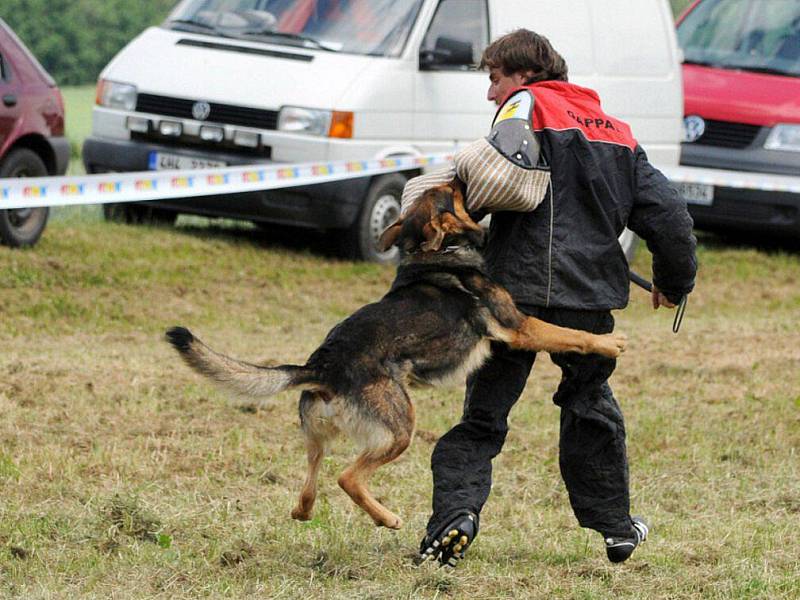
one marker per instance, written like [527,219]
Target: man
[562,263]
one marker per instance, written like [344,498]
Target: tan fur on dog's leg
[535,334]
[305,504]
[354,482]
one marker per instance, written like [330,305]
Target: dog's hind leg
[384,429]
[305,504]
[318,431]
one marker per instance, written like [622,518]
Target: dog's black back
[424,328]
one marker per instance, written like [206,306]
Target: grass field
[78,103]
[124,475]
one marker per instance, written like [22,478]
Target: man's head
[519,58]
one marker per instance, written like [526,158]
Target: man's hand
[660,299]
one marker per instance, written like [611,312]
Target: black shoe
[450,544]
[619,549]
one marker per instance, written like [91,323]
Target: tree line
[75,39]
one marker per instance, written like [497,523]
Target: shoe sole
[454,542]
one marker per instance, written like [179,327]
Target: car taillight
[60,99]
[58,125]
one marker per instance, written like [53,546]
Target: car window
[756,35]
[5,70]
[460,28]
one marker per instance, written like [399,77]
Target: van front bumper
[323,206]
[753,210]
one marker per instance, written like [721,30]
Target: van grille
[728,135]
[227,114]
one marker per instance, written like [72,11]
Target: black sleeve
[659,216]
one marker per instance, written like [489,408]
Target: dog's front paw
[612,344]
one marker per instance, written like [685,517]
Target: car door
[10,108]
[449,94]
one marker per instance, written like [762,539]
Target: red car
[741,78]
[32,142]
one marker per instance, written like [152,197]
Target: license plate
[696,193]
[162,161]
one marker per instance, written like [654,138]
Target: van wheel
[22,226]
[381,208]
[138,214]
[629,242]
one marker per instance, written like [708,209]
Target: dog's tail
[245,378]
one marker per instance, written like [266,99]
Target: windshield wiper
[289,36]
[702,63]
[192,23]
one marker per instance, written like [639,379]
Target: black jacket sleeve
[660,217]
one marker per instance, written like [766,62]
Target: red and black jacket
[565,254]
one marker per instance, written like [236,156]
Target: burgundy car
[32,142]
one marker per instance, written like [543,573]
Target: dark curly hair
[524,50]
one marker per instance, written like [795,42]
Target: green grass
[125,475]
[78,104]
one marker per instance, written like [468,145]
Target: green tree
[75,39]
[679,5]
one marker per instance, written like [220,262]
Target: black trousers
[592,453]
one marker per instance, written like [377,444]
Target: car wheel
[629,242]
[22,226]
[381,208]
[138,214]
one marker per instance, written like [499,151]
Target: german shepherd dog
[435,323]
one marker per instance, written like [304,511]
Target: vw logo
[693,128]
[201,110]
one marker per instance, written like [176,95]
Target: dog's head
[436,221]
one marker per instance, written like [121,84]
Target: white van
[225,82]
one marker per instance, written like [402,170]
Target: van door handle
[9,100]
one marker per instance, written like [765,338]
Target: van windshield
[372,27]
[752,35]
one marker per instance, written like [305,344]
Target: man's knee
[473,438]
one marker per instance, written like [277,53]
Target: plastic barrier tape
[159,185]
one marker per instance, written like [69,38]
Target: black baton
[646,285]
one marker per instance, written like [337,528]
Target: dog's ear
[434,235]
[458,188]
[460,205]
[389,236]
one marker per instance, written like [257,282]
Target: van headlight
[784,137]
[331,123]
[116,95]
[294,119]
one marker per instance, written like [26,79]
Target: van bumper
[752,210]
[332,205]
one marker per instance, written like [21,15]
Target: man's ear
[389,236]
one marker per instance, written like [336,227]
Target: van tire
[24,226]
[138,214]
[380,209]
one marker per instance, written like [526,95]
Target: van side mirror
[448,53]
